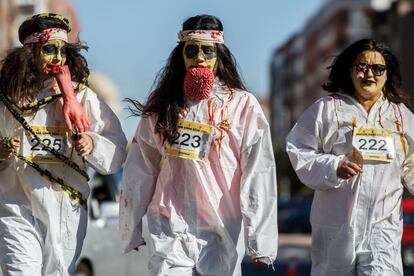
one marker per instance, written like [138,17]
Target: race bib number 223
[192,141]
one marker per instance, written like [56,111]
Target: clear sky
[130,40]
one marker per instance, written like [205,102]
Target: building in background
[14,12]
[299,66]
[395,26]
[7,14]
[287,86]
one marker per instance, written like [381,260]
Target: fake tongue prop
[198,83]
[73,112]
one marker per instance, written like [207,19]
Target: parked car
[101,254]
[407,241]
[294,214]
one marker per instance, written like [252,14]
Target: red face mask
[198,83]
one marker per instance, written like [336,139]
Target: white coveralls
[41,227]
[356,223]
[197,211]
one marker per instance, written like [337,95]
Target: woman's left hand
[262,261]
[83,145]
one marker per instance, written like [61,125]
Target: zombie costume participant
[201,165]
[44,186]
[355,149]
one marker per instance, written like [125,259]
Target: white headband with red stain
[46,35]
[202,35]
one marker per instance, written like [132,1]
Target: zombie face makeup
[200,54]
[51,54]
[369,74]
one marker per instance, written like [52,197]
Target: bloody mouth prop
[198,83]
[53,69]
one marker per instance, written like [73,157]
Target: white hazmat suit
[356,223]
[201,198]
[41,227]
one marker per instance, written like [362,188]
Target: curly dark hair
[20,77]
[340,80]
[168,98]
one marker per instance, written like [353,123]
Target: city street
[304,121]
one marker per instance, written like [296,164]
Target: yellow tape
[47,15]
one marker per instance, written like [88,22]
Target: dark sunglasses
[377,69]
[50,49]
[191,51]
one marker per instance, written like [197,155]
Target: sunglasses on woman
[376,69]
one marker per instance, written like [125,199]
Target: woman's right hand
[347,169]
[6,152]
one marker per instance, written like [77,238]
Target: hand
[73,112]
[7,152]
[83,144]
[75,116]
[347,169]
[261,262]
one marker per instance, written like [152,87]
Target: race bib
[191,141]
[374,143]
[54,137]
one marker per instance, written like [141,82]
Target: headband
[202,35]
[46,35]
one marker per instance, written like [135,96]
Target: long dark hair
[167,98]
[20,77]
[340,80]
